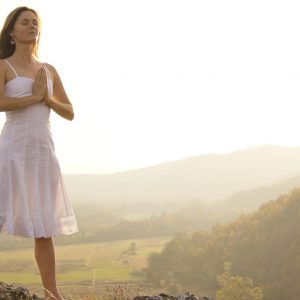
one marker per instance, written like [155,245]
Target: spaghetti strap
[11,67]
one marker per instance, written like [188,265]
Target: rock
[11,292]
[186,296]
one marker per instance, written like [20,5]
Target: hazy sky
[159,80]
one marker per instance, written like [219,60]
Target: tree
[132,249]
[236,287]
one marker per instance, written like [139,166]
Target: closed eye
[25,22]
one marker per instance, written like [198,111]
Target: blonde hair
[6,47]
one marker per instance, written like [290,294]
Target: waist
[28,130]
[21,122]
[35,113]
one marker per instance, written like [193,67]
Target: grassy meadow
[82,267]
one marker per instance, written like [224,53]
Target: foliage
[236,287]
[264,245]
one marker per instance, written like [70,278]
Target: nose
[33,25]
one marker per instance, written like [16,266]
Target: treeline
[264,246]
[106,220]
[97,224]
[163,224]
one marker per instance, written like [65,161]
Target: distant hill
[264,246]
[206,177]
[250,200]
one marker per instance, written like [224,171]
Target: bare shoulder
[52,71]
[3,64]
[3,68]
[50,67]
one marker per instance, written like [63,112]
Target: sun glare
[163,80]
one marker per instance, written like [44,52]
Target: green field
[82,266]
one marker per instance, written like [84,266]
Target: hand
[47,99]
[39,86]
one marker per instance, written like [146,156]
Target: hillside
[250,200]
[207,177]
[264,246]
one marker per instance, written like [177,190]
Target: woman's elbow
[70,116]
[2,106]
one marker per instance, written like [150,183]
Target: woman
[33,200]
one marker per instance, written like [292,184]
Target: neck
[24,53]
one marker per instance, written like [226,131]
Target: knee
[42,239]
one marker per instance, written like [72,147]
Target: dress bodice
[21,86]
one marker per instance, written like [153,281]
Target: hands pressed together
[40,87]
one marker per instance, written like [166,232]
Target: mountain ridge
[208,176]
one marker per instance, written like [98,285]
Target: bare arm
[60,102]
[14,103]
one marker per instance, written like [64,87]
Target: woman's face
[26,29]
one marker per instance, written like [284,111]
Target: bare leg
[45,258]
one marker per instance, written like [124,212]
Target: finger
[42,72]
[46,93]
[44,78]
[44,83]
[38,79]
[39,73]
[41,78]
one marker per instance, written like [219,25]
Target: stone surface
[11,292]
[186,296]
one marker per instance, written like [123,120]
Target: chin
[31,41]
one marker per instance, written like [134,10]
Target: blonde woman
[33,200]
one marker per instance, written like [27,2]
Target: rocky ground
[186,296]
[12,292]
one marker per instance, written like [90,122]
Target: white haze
[160,80]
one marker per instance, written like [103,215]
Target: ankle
[52,294]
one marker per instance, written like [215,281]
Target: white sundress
[33,198]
